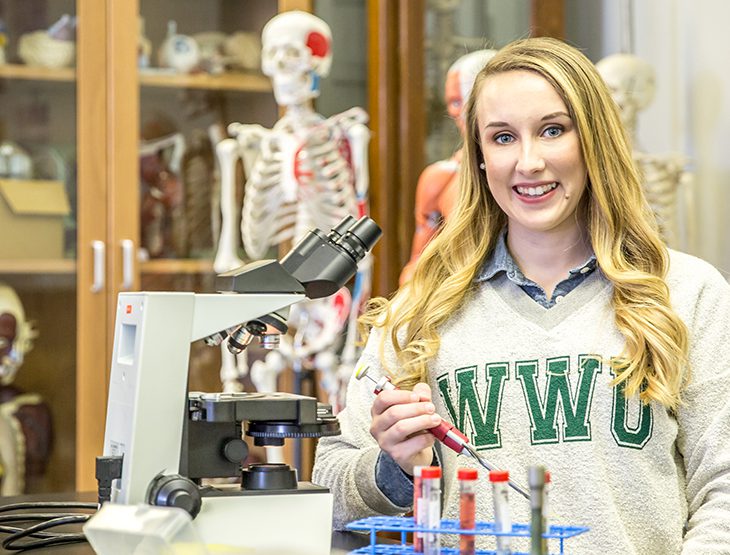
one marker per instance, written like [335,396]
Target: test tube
[418,515]
[545,509]
[467,508]
[502,517]
[536,482]
[431,501]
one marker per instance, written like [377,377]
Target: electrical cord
[35,536]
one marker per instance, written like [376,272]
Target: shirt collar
[501,261]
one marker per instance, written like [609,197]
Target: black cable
[48,505]
[12,542]
[108,469]
[40,537]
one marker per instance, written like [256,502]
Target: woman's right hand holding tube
[400,423]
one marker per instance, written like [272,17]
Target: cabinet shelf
[33,73]
[176,266]
[68,266]
[38,266]
[232,81]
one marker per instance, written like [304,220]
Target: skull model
[631,82]
[459,81]
[296,53]
[16,334]
[25,419]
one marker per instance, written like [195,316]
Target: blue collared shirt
[502,261]
[395,484]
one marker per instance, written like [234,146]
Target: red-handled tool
[445,432]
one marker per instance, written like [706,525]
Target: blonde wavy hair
[619,222]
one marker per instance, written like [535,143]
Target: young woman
[549,322]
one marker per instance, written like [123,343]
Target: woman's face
[532,153]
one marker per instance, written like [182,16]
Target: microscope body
[169,440]
[149,421]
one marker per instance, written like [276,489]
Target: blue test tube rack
[404,525]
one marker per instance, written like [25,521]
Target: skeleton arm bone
[250,137]
[226,257]
[353,122]
[359,136]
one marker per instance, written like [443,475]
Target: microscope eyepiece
[318,265]
[341,228]
[324,263]
[360,237]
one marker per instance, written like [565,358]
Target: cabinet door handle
[99,260]
[127,264]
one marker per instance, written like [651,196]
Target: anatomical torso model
[437,185]
[25,419]
[307,171]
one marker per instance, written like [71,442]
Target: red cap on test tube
[430,472]
[467,474]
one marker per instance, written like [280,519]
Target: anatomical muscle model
[436,188]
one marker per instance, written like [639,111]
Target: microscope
[170,440]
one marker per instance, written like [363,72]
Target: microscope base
[293,522]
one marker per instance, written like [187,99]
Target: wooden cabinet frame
[108,179]
[92,332]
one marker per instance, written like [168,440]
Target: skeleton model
[307,171]
[667,184]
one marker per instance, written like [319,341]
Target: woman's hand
[400,420]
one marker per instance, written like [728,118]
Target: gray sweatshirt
[528,386]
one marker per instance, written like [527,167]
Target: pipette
[445,432]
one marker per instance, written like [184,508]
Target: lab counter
[342,542]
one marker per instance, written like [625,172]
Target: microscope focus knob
[175,491]
[235,451]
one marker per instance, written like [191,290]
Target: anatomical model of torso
[437,185]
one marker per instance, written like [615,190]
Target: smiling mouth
[534,192]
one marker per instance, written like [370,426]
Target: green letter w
[575,411]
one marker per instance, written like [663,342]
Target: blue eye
[503,138]
[553,131]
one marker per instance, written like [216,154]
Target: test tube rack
[404,525]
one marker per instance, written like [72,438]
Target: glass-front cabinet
[199,70]
[39,190]
[109,113]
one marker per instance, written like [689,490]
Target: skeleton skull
[296,53]
[631,82]
[15,334]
